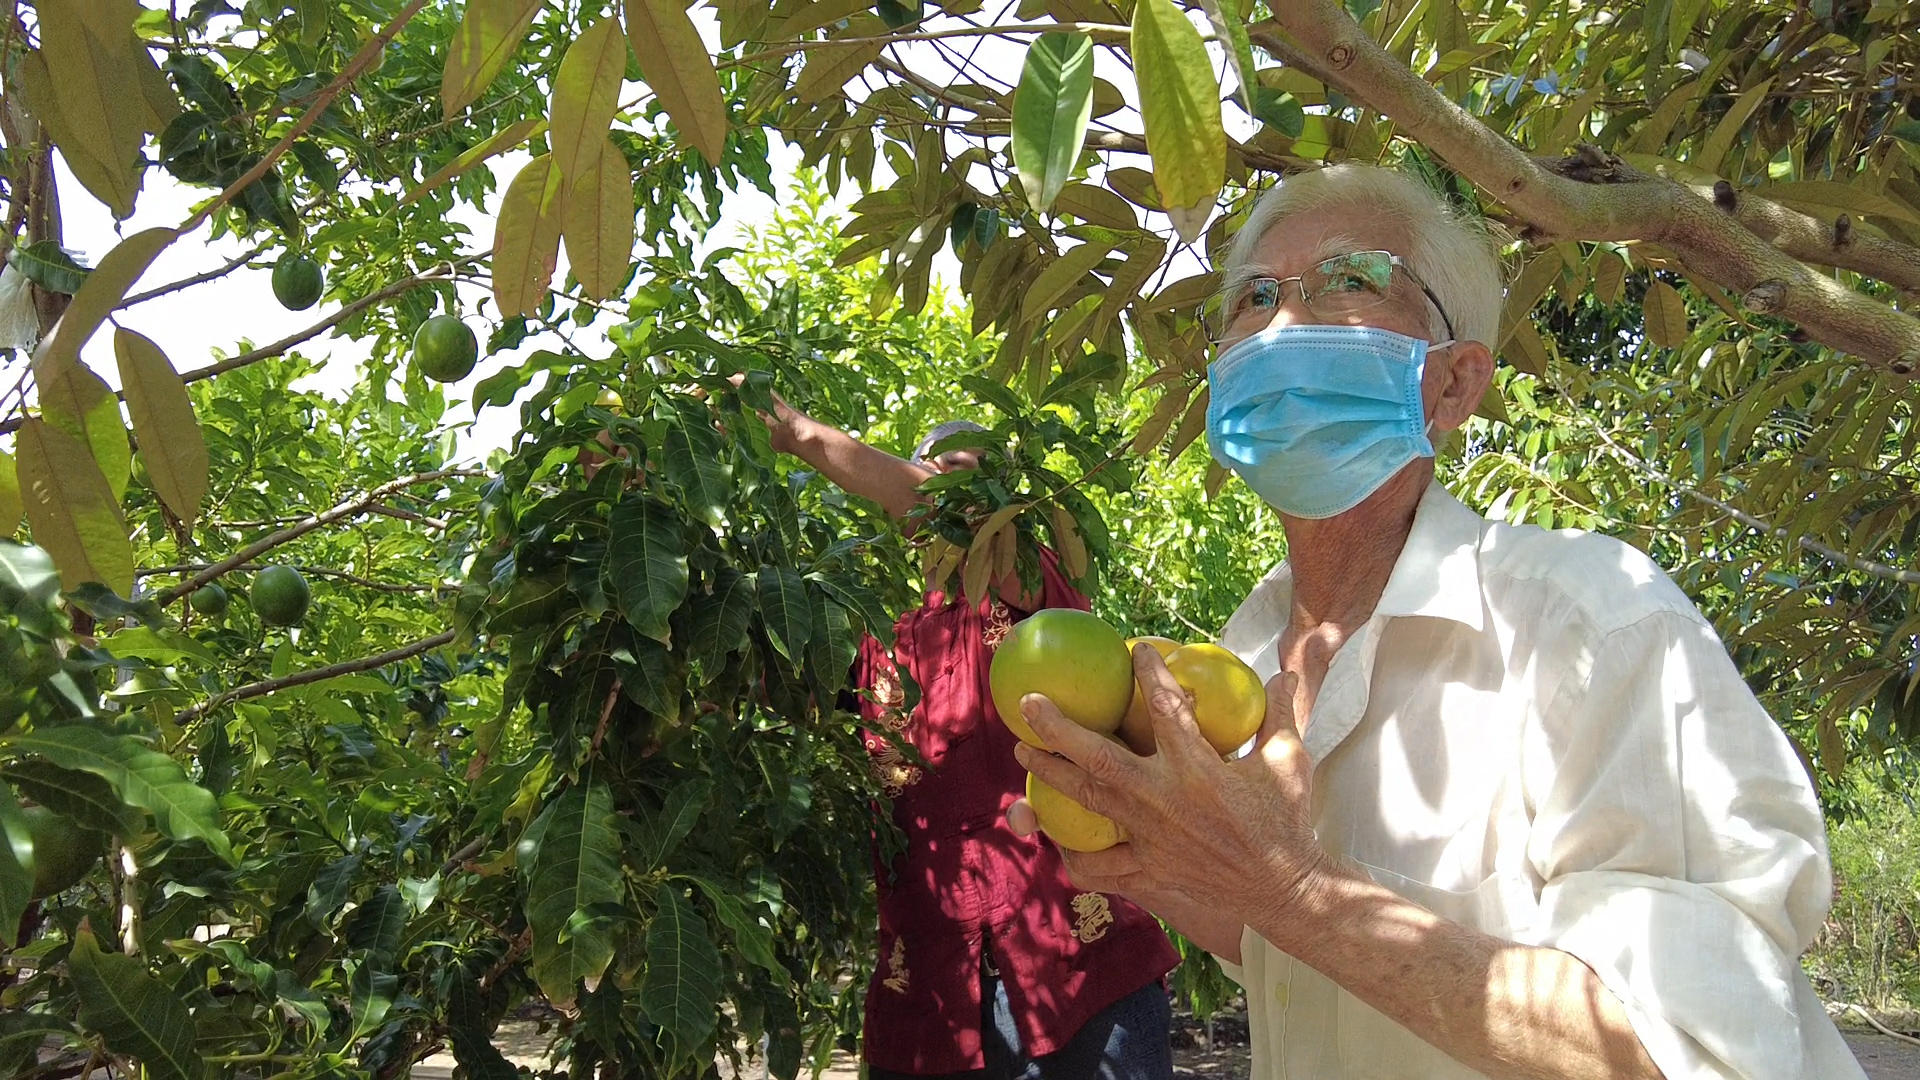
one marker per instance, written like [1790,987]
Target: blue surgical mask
[1316,418]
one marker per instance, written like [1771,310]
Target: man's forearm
[853,465]
[1505,1009]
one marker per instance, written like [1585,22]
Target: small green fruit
[297,282]
[444,349]
[280,596]
[209,599]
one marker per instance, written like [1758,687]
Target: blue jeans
[1128,1040]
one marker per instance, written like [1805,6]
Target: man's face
[1302,241]
[953,461]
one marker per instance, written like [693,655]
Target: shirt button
[1280,994]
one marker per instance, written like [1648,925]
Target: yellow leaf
[78,402]
[1097,206]
[1140,265]
[1666,314]
[1180,111]
[1609,276]
[1833,747]
[499,143]
[1164,413]
[808,17]
[1006,554]
[1652,135]
[155,92]
[978,572]
[674,61]
[1073,548]
[10,506]
[1535,279]
[586,94]
[105,287]
[1059,276]
[598,224]
[92,101]
[943,569]
[526,240]
[829,67]
[1135,185]
[171,444]
[489,32]
[70,510]
[1185,295]
[1524,349]
[1825,197]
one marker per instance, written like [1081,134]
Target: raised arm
[853,465]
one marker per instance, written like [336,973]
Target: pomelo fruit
[1136,728]
[297,282]
[1069,824]
[280,596]
[444,349]
[209,599]
[1229,701]
[1072,657]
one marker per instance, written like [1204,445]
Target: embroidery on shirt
[890,767]
[1092,916]
[897,965]
[888,693]
[999,624]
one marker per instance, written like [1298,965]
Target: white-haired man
[1514,813]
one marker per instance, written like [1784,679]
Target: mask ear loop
[1427,433]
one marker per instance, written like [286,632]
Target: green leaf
[513,135]
[752,937]
[597,223]
[376,926]
[526,238]
[652,677]
[143,778]
[577,865]
[159,646]
[471,1035]
[490,31]
[1666,316]
[133,1012]
[586,94]
[783,606]
[170,441]
[674,62]
[1061,275]
[1230,25]
[11,506]
[681,989]
[71,510]
[105,287]
[647,562]
[993,394]
[16,865]
[371,994]
[85,799]
[862,602]
[48,265]
[1280,111]
[721,618]
[78,402]
[662,833]
[698,464]
[1180,110]
[1051,108]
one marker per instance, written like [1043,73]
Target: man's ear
[1463,383]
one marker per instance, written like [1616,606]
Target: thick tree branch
[347,509]
[1559,207]
[1823,243]
[314,675]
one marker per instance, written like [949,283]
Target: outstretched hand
[1236,835]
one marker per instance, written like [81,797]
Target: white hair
[1451,251]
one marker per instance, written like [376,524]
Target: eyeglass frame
[1393,261]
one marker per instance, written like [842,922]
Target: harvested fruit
[1079,662]
[1069,824]
[1136,728]
[1229,701]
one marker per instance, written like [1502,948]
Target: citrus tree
[373,744]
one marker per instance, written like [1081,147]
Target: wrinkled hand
[1235,835]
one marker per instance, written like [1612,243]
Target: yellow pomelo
[1069,824]
[1229,702]
[1137,726]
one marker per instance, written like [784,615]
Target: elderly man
[1513,812]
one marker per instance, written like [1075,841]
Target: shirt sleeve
[1682,852]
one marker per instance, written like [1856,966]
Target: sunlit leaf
[500,142]
[489,32]
[1229,21]
[751,936]
[1060,276]
[81,797]
[1180,110]
[1051,108]
[11,506]
[71,509]
[526,241]
[674,62]
[586,94]
[1666,315]
[103,290]
[598,225]
[143,777]
[170,441]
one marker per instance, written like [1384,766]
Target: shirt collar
[1438,572]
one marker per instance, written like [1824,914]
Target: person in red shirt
[992,965]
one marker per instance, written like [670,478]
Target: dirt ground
[1226,1058]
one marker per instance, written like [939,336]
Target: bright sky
[239,311]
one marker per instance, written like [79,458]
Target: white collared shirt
[1537,735]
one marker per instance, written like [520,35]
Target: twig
[197,279]
[408,515]
[350,508]
[791,47]
[469,850]
[1875,1021]
[314,675]
[310,571]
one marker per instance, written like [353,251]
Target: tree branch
[1831,554]
[197,279]
[310,571]
[1559,207]
[314,675]
[350,508]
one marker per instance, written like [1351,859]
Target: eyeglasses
[1338,287]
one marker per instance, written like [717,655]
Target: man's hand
[1233,836]
[780,425]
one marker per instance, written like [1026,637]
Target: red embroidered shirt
[965,882]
